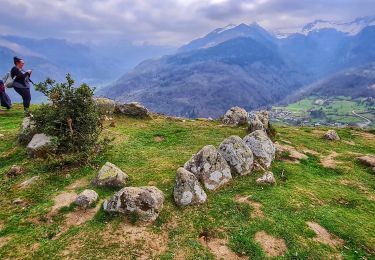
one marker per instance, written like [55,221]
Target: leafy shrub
[71,115]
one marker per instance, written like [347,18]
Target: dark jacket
[21,80]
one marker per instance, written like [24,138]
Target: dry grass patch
[218,247]
[323,236]
[142,242]
[329,160]
[272,246]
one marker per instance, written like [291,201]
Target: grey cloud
[166,22]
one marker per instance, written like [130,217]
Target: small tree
[71,116]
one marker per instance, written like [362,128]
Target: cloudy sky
[163,22]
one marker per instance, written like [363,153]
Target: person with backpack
[21,81]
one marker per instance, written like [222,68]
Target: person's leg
[26,97]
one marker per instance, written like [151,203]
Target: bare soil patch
[294,155]
[257,207]
[4,240]
[349,142]
[323,236]
[272,246]
[329,160]
[309,151]
[366,136]
[218,247]
[64,199]
[81,183]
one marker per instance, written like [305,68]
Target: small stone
[18,201]
[266,179]
[210,167]
[235,116]
[187,190]
[86,198]
[110,176]
[14,171]
[237,154]
[28,182]
[145,203]
[2,136]
[332,135]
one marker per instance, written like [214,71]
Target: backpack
[8,80]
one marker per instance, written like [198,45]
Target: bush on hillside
[71,115]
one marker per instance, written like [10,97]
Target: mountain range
[94,64]
[248,66]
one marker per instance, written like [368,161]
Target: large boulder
[27,131]
[105,106]
[237,154]
[187,190]
[133,109]
[86,198]
[332,135]
[110,176]
[40,145]
[145,203]
[210,167]
[235,116]
[259,121]
[262,147]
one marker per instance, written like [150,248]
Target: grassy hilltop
[339,196]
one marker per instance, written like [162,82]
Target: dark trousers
[26,96]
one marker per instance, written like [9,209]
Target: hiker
[21,82]
[4,98]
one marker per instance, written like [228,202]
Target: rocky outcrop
[110,176]
[237,154]
[27,131]
[143,203]
[210,167]
[262,147]
[105,106]
[133,109]
[235,116]
[40,145]
[266,179]
[187,190]
[86,198]
[332,135]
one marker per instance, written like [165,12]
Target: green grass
[309,193]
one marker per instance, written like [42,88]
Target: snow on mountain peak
[351,28]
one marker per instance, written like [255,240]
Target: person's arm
[18,74]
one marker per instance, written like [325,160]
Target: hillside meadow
[322,207]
